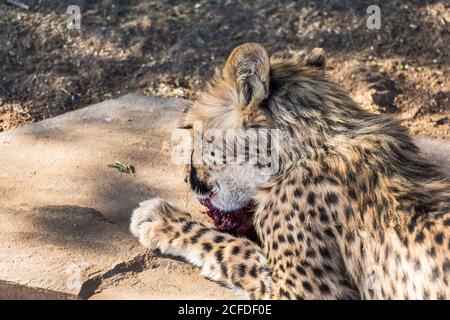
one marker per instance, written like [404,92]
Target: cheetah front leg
[237,262]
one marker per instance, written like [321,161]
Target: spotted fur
[353,211]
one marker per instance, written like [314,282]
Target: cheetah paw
[149,212]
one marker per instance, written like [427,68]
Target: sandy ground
[170,48]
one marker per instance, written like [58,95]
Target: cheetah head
[242,98]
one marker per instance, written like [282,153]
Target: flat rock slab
[64,213]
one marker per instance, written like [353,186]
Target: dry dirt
[169,48]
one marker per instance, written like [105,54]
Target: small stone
[442,121]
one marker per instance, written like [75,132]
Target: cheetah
[352,212]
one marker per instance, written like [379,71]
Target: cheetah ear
[248,67]
[316,58]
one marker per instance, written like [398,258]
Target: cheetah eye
[254,126]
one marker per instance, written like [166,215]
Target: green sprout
[129,169]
